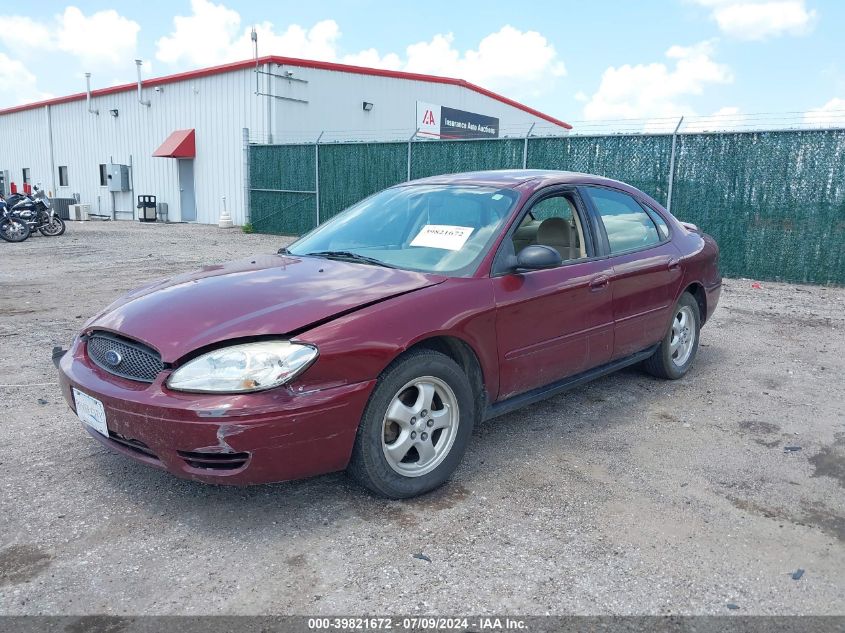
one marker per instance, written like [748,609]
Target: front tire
[677,350]
[416,426]
[14,230]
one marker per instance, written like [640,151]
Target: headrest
[554,231]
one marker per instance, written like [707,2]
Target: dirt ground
[629,496]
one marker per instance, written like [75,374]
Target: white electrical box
[118,177]
[79,212]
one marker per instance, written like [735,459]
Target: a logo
[113,358]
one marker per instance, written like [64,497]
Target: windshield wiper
[350,256]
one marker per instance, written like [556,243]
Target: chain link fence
[774,200]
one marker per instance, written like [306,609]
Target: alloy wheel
[683,336]
[420,426]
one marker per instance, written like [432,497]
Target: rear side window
[662,227]
[627,224]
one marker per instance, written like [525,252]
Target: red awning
[180,144]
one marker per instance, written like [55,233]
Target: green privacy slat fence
[641,161]
[282,213]
[281,167]
[447,157]
[351,172]
[775,201]
[277,176]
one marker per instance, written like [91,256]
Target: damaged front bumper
[238,439]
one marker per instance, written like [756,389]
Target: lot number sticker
[451,238]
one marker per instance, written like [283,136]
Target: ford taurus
[375,342]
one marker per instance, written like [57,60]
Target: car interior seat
[557,233]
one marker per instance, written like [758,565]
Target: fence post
[317,176]
[247,209]
[410,140]
[672,166]
[525,148]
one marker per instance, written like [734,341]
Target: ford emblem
[113,358]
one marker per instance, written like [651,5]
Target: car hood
[266,295]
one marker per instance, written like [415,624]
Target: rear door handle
[599,283]
[674,264]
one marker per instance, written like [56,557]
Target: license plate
[91,412]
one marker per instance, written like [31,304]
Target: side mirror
[537,257]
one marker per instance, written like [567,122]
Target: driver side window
[552,221]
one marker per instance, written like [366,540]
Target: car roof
[510,178]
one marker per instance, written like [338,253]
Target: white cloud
[657,90]
[725,118]
[212,34]
[761,19]
[205,37]
[14,73]
[370,58]
[831,114]
[509,59]
[17,26]
[102,40]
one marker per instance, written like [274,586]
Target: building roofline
[289,61]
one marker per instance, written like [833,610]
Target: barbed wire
[692,124]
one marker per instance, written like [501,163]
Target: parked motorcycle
[38,213]
[12,228]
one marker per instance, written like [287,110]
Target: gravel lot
[629,496]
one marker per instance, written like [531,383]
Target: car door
[646,268]
[553,323]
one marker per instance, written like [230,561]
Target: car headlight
[247,367]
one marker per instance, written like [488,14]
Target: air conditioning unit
[79,212]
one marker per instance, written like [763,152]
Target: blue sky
[579,61]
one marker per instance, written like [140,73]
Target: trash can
[146,208]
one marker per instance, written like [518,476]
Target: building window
[62,176]
[104,176]
[25,174]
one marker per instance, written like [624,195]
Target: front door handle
[599,283]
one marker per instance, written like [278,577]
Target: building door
[187,199]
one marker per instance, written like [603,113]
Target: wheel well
[463,354]
[697,291]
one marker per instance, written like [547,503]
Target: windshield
[430,228]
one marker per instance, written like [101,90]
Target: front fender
[360,345]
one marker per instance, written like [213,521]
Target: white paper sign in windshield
[451,238]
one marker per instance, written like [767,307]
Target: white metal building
[73,146]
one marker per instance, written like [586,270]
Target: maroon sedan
[376,342]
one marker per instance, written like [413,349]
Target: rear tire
[55,228]
[416,426]
[677,350]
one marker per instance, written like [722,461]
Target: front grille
[214,461]
[136,446]
[125,358]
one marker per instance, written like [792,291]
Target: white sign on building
[428,119]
